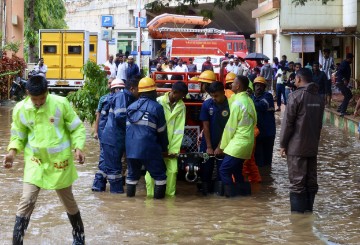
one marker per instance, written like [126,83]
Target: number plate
[62,83]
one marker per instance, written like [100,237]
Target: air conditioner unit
[14,20]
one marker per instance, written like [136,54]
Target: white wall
[269,22]
[314,14]
[350,13]
[268,46]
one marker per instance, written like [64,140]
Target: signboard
[309,44]
[106,35]
[142,22]
[112,41]
[302,44]
[107,21]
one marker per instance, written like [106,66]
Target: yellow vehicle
[93,47]
[65,52]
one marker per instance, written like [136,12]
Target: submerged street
[190,218]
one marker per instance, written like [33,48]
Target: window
[49,49]
[74,49]
[241,46]
[92,47]
[229,46]
[236,47]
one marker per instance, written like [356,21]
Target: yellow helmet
[194,79]
[207,77]
[260,80]
[146,84]
[230,77]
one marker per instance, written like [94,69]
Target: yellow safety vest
[47,135]
[175,122]
[238,136]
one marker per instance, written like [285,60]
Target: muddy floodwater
[189,218]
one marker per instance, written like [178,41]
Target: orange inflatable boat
[175,21]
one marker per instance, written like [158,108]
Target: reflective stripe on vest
[161,129]
[144,123]
[59,148]
[178,131]
[75,123]
[19,134]
[119,110]
[23,119]
[56,122]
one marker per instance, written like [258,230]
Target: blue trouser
[110,168]
[231,166]
[346,92]
[280,90]
[264,150]
[156,168]
[207,169]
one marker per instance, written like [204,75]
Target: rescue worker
[229,79]
[214,115]
[299,140]
[205,79]
[113,138]
[238,140]
[265,109]
[250,170]
[102,113]
[146,139]
[46,127]
[175,114]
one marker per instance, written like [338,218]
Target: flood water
[189,218]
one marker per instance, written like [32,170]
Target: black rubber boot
[229,190]
[298,202]
[130,190]
[310,201]
[219,188]
[78,229]
[21,224]
[243,189]
[204,188]
[159,191]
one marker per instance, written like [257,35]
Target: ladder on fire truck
[205,31]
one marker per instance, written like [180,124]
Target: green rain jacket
[47,135]
[238,136]
[175,122]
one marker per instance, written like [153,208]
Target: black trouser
[346,92]
[302,174]
[264,150]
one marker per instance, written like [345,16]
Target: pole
[107,50]
[138,35]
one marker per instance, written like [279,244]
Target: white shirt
[182,68]
[121,70]
[41,69]
[169,70]
[279,79]
[230,68]
[112,68]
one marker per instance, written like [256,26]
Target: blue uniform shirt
[264,106]
[217,115]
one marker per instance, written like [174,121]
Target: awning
[256,35]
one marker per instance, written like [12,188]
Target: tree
[41,14]
[182,6]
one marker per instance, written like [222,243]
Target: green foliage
[41,14]
[85,100]
[182,6]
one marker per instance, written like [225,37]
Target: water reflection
[262,218]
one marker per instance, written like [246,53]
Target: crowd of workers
[133,120]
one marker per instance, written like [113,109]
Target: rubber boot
[243,189]
[159,191]
[21,224]
[229,190]
[219,188]
[204,188]
[78,229]
[310,201]
[99,184]
[116,186]
[130,190]
[298,202]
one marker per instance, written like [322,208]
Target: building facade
[12,23]
[300,32]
